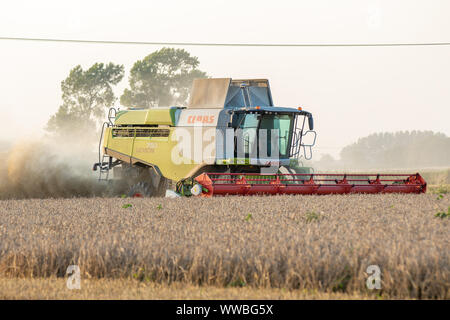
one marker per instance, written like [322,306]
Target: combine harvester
[230,140]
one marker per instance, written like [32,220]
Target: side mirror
[311,122]
[309,138]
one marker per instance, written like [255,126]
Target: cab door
[279,145]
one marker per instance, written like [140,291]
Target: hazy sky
[352,92]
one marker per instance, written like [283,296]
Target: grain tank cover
[209,93]
[226,92]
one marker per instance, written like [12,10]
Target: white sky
[352,92]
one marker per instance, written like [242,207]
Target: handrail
[108,124]
[100,143]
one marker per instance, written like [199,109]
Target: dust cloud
[49,168]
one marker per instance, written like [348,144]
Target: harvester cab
[230,139]
[262,133]
[265,128]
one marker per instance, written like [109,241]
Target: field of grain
[318,243]
[55,288]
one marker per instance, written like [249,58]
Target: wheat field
[125,289]
[319,243]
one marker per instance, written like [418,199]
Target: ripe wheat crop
[322,243]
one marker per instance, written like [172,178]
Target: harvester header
[214,184]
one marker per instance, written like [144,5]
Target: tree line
[403,149]
[163,78]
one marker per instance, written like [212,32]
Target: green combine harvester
[229,140]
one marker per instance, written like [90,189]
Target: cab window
[283,123]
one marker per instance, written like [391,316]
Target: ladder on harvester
[104,160]
[104,168]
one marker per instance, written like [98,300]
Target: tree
[162,78]
[86,95]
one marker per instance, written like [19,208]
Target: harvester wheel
[141,190]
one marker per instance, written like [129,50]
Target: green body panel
[156,151]
[156,116]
